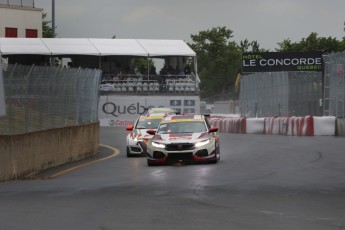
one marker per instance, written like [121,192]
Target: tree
[312,43]
[253,46]
[143,65]
[47,31]
[219,59]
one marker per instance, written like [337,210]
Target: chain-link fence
[26,3]
[45,97]
[334,85]
[281,94]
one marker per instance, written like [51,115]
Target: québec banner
[281,61]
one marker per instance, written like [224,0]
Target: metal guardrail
[45,97]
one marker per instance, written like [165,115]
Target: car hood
[181,137]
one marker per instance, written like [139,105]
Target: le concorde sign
[281,61]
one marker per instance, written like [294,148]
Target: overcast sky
[267,21]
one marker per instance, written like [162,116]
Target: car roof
[152,116]
[160,110]
[183,118]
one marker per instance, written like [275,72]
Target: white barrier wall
[324,126]
[292,126]
[255,125]
[340,127]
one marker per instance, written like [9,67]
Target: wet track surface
[261,182]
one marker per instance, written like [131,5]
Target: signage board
[281,61]
[118,110]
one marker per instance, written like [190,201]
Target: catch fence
[281,94]
[334,85]
[22,3]
[45,97]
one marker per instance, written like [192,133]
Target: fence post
[27,106]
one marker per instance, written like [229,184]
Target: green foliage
[312,43]
[141,65]
[253,46]
[47,31]
[219,60]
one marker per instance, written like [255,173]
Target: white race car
[183,138]
[138,136]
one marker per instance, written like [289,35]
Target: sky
[267,21]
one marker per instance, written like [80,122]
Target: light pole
[52,61]
[53,18]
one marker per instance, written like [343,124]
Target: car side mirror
[151,132]
[129,128]
[213,130]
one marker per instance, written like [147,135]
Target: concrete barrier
[276,125]
[340,127]
[324,126]
[255,125]
[291,126]
[300,126]
[229,125]
[22,155]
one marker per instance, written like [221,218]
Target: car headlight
[202,143]
[158,145]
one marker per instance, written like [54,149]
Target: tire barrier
[289,126]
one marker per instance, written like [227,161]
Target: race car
[183,138]
[166,110]
[138,136]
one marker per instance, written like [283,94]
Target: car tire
[128,152]
[217,154]
[149,163]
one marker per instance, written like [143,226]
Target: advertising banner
[281,61]
[118,110]
[2,92]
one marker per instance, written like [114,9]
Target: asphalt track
[261,182]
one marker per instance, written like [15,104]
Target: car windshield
[182,127]
[148,123]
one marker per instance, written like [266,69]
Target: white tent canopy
[166,48]
[11,46]
[128,47]
[94,47]
[70,46]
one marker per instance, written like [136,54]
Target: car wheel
[128,152]
[217,155]
[149,163]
